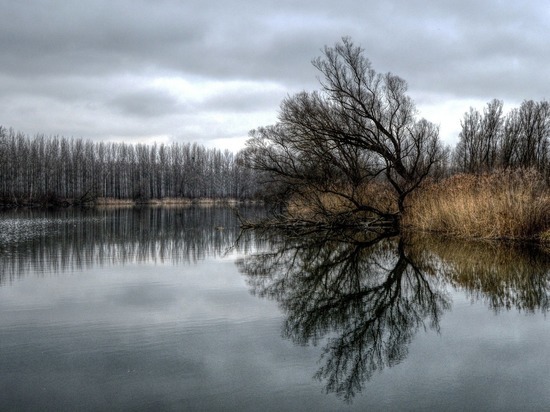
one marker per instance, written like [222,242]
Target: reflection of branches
[364,292]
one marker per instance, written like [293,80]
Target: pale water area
[175,309]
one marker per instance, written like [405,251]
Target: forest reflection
[72,239]
[364,296]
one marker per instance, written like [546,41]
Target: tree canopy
[358,133]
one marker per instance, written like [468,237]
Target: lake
[176,309]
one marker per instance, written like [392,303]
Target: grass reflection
[504,276]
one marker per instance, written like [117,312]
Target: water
[174,309]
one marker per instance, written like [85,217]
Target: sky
[210,71]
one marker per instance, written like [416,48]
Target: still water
[175,309]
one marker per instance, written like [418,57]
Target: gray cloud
[102,58]
[243,101]
[146,103]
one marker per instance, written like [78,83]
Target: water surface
[148,309]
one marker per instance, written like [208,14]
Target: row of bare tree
[40,169]
[492,139]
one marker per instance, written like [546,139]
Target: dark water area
[176,309]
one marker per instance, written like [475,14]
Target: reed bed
[500,205]
[320,204]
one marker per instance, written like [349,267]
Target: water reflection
[72,239]
[364,292]
[364,296]
[512,276]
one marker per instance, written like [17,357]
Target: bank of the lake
[126,202]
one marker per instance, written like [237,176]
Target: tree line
[58,169]
[491,139]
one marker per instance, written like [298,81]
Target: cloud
[146,103]
[100,63]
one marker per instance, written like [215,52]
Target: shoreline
[112,202]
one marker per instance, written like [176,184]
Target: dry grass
[315,204]
[168,202]
[500,205]
[111,201]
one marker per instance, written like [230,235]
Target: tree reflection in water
[72,239]
[362,296]
[365,295]
[362,292]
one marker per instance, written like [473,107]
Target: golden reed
[506,204]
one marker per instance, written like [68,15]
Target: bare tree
[62,171]
[477,149]
[360,128]
[534,118]
[492,132]
[518,139]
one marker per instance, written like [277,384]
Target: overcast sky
[209,71]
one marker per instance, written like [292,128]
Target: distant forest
[53,170]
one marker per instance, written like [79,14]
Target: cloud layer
[210,71]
